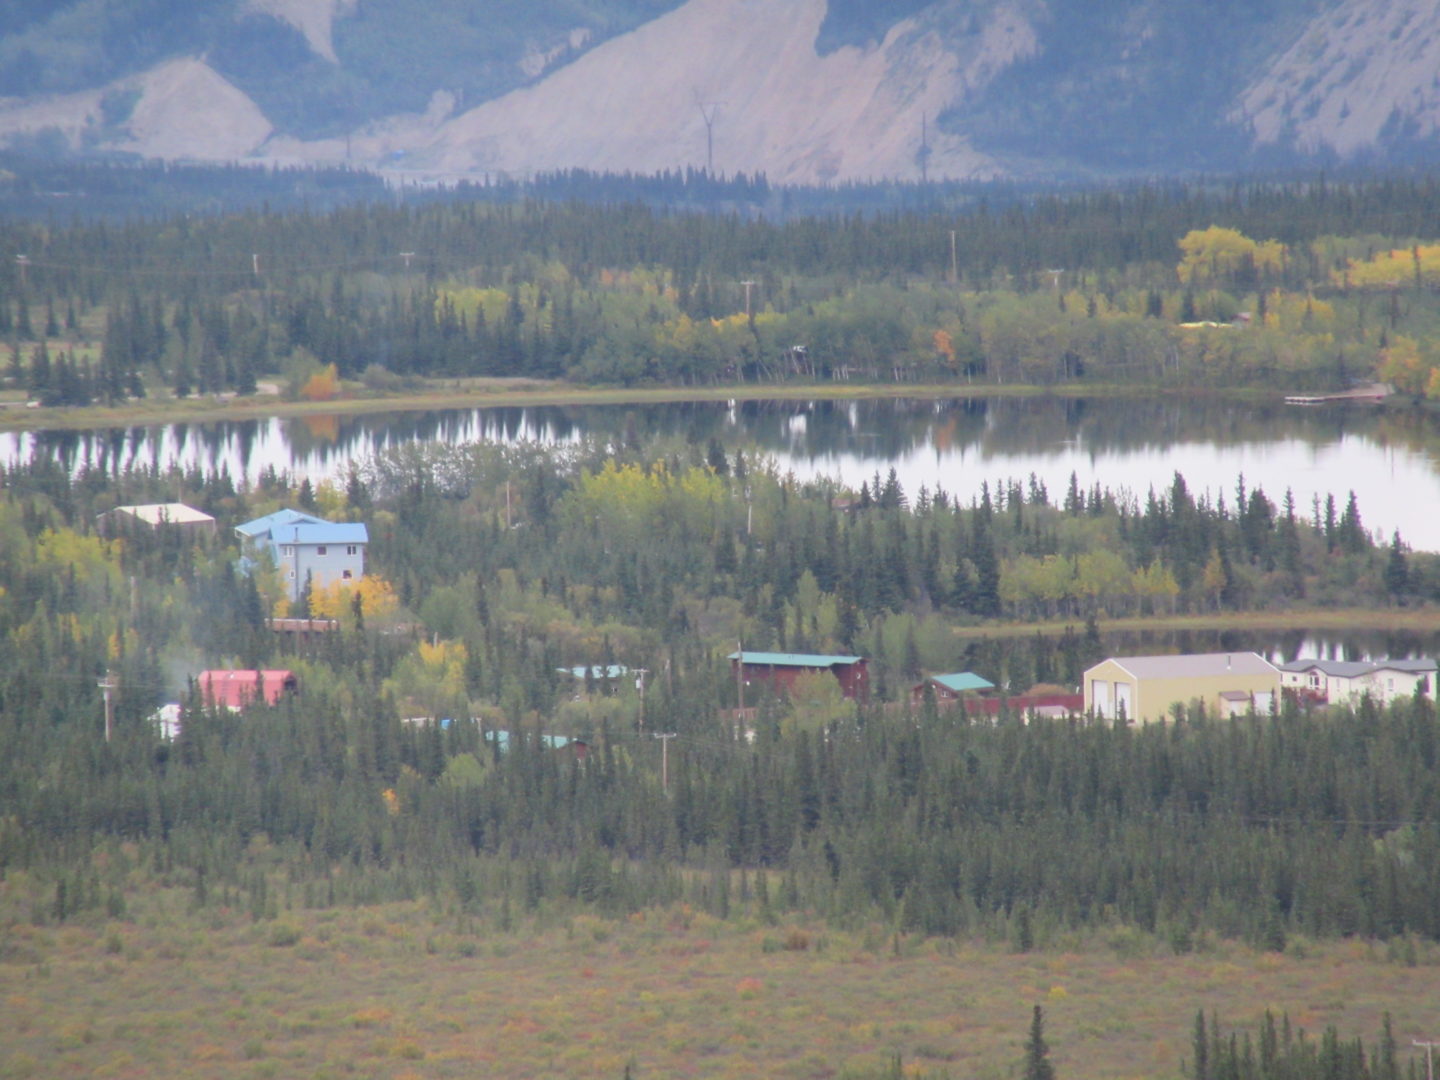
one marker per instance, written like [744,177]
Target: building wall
[297,561]
[1157,695]
[1100,688]
[1384,686]
[854,678]
[1151,699]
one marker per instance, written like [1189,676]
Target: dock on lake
[1371,392]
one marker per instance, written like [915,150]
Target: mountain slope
[750,67]
[1361,78]
[802,90]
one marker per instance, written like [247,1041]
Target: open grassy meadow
[409,990]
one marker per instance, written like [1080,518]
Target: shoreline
[1419,620]
[480,393]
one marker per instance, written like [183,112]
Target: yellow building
[1143,688]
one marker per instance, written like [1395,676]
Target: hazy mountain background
[801,90]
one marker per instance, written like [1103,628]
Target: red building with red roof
[236,689]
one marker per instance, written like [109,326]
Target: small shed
[235,689]
[782,670]
[948,689]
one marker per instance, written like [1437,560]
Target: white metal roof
[173,513]
[1196,665]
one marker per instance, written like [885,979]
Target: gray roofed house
[1347,681]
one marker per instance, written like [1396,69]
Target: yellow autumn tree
[1419,264]
[1297,312]
[322,385]
[469,302]
[1155,586]
[337,600]
[94,563]
[1209,255]
[945,347]
[431,680]
[1405,365]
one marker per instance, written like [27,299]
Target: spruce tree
[1037,1053]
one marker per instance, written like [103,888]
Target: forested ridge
[494,568]
[1272,285]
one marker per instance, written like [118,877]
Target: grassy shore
[482,392]
[412,991]
[1423,620]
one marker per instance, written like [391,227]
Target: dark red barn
[781,670]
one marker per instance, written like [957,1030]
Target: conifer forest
[526,711]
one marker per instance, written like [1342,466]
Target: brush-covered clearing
[421,990]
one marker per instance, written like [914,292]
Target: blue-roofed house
[781,670]
[949,689]
[307,548]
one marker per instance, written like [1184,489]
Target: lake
[1389,457]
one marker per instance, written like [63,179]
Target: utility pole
[665,738]
[954,264]
[407,256]
[640,674]
[749,317]
[23,261]
[107,685]
[740,678]
[1429,1056]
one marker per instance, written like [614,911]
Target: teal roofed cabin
[949,689]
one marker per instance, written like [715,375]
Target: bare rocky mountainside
[803,91]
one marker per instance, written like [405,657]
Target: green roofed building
[949,689]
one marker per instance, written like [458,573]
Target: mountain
[804,91]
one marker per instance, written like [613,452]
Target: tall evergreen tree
[1037,1052]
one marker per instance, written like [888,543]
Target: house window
[289,552]
[1314,680]
[352,550]
[345,575]
[291,575]
[320,550]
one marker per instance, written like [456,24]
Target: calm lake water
[1389,457]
